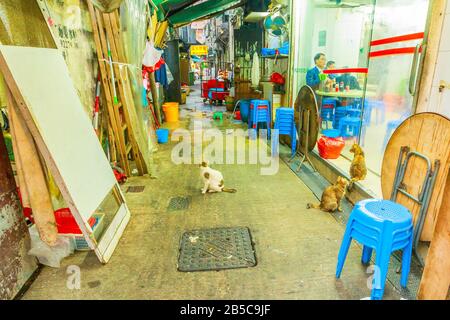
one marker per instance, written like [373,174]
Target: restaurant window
[373,45]
[333,41]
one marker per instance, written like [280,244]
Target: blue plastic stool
[339,113]
[331,133]
[260,111]
[327,110]
[357,103]
[378,106]
[349,126]
[391,126]
[354,112]
[285,124]
[382,225]
[327,114]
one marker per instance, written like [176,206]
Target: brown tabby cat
[358,169]
[332,196]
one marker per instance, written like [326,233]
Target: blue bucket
[244,106]
[163,135]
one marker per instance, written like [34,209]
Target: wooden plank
[103,25]
[102,53]
[126,95]
[429,134]
[78,165]
[106,85]
[34,181]
[20,177]
[140,140]
[431,54]
[435,280]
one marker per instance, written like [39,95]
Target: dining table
[348,94]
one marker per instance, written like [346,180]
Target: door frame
[427,66]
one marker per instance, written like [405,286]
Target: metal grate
[216,249]
[178,203]
[135,189]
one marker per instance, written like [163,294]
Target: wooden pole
[156,105]
[34,177]
[435,281]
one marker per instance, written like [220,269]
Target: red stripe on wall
[388,52]
[348,70]
[407,37]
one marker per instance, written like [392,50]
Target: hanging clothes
[161,76]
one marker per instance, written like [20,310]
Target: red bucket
[330,148]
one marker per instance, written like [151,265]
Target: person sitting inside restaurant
[348,80]
[312,76]
[331,65]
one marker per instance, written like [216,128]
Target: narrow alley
[196,152]
[295,247]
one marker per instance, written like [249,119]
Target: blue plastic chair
[260,111]
[382,225]
[349,126]
[285,124]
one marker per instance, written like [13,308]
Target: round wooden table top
[306,101]
[428,134]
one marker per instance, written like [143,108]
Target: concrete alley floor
[296,248]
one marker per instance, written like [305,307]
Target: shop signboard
[199,50]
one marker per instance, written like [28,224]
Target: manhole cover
[178,203]
[135,189]
[216,249]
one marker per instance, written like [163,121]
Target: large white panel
[43,79]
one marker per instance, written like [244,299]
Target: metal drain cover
[135,189]
[216,249]
[178,203]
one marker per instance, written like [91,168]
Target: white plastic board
[39,81]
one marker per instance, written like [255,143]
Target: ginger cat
[213,180]
[358,169]
[332,196]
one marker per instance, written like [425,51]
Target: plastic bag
[151,55]
[330,148]
[50,256]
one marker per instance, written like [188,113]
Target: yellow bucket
[171,111]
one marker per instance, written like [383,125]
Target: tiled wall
[440,101]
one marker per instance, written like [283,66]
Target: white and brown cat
[212,180]
[332,196]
